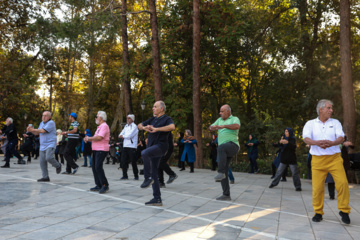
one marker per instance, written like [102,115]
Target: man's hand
[284,141]
[63,133]
[121,136]
[29,128]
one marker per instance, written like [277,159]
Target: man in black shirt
[158,128]
[11,134]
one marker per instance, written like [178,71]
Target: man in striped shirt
[73,139]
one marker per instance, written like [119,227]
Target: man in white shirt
[324,134]
[128,154]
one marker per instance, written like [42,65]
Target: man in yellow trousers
[324,134]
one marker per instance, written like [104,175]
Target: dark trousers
[213,163]
[226,152]
[28,154]
[10,150]
[331,188]
[97,168]
[191,165]
[253,164]
[129,155]
[70,154]
[151,157]
[164,166]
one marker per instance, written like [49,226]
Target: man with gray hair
[228,129]
[323,135]
[159,128]
[10,134]
[47,132]
[128,155]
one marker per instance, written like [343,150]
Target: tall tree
[347,89]
[197,82]
[155,51]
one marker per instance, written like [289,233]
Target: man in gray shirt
[47,132]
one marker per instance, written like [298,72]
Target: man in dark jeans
[10,133]
[164,166]
[158,128]
[73,139]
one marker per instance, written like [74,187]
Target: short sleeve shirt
[74,124]
[227,135]
[48,139]
[159,138]
[317,130]
[102,130]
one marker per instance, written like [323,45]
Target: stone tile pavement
[65,208]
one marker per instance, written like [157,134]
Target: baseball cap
[73,115]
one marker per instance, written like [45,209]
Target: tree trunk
[119,113]
[196,83]
[155,51]
[347,88]
[126,61]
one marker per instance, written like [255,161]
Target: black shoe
[272,185]
[317,218]
[298,189]
[219,177]
[332,198]
[95,189]
[84,165]
[147,183]
[154,202]
[44,179]
[344,217]
[104,189]
[162,185]
[136,178]
[5,166]
[172,178]
[272,177]
[223,198]
[191,171]
[232,182]
[66,172]
[250,172]
[183,169]
[283,180]
[58,170]
[75,170]
[124,178]
[21,161]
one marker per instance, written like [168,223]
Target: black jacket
[10,132]
[288,155]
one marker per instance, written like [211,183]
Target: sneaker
[172,178]
[95,189]
[162,185]
[44,179]
[75,170]
[232,182]
[136,178]
[344,217]
[219,177]
[317,218]
[58,169]
[147,183]
[154,202]
[124,178]
[5,166]
[66,172]
[272,185]
[223,198]
[298,189]
[21,161]
[104,189]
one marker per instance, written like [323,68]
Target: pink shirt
[103,131]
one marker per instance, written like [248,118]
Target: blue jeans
[85,160]
[97,168]
[151,157]
[10,150]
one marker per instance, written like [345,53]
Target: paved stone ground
[66,209]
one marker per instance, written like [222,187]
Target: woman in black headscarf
[288,157]
[181,148]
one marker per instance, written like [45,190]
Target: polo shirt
[102,130]
[227,135]
[159,138]
[317,130]
[48,139]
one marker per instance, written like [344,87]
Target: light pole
[142,120]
